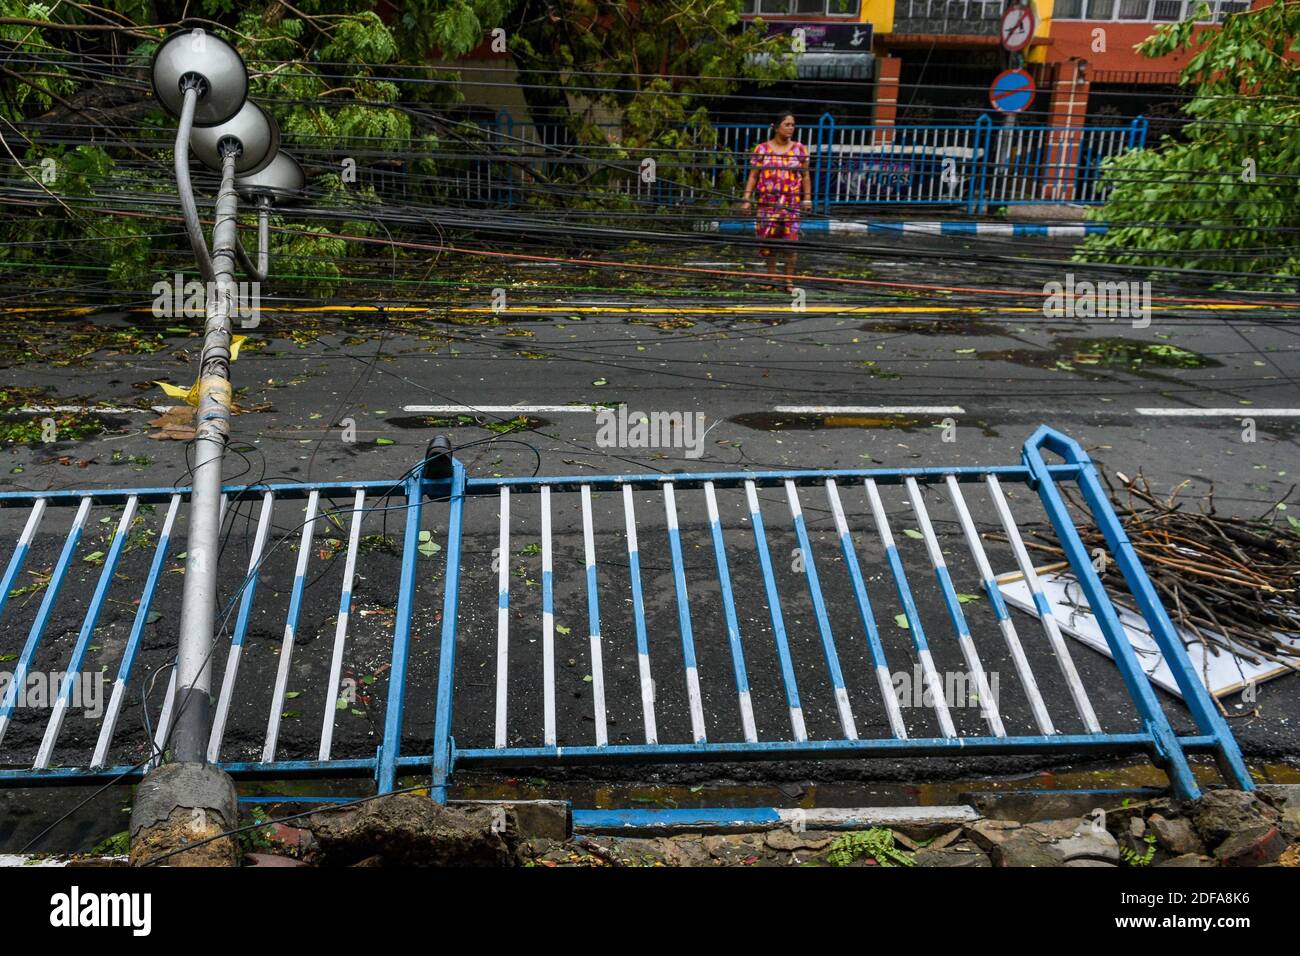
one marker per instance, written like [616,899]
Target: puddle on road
[1079,354]
[935,326]
[774,421]
[493,423]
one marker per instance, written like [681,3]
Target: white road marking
[93,410]
[496,409]
[1243,412]
[870,409]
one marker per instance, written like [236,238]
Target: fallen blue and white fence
[444,622]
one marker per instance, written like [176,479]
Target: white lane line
[870,409]
[93,409]
[1244,411]
[509,409]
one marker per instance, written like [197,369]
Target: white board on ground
[1223,673]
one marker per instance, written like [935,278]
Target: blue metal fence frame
[1156,738]
[1029,172]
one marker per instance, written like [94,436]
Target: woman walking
[779,178]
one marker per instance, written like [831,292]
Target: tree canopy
[1224,194]
[347,78]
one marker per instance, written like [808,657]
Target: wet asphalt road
[997,374]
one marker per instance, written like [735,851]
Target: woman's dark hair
[780,118]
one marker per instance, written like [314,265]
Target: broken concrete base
[411,830]
[181,805]
[544,819]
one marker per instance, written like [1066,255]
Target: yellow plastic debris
[191,395]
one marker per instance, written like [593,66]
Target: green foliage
[876,843]
[1133,858]
[119,844]
[638,76]
[258,840]
[1233,168]
[636,83]
[67,175]
[320,67]
[37,92]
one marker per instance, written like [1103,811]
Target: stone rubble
[1224,828]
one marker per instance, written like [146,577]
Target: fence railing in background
[974,166]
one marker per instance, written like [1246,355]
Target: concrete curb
[721,820]
[923,227]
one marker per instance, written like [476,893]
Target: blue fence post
[983,140]
[1155,723]
[390,748]
[821,179]
[443,754]
[1195,695]
[1137,132]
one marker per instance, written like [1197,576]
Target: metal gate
[652,619]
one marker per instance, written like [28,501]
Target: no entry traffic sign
[1012,91]
[1018,25]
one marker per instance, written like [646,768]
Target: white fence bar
[290,626]
[593,619]
[1005,624]
[988,701]
[638,610]
[914,628]
[548,625]
[1045,614]
[241,627]
[503,617]
[332,689]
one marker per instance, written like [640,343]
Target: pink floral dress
[778,190]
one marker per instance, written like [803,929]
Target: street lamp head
[252,134]
[212,66]
[282,181]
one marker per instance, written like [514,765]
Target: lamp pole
[212,432]
[201,80]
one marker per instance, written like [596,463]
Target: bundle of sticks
[1230,582]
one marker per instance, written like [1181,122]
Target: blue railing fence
[370,629]
[973,166]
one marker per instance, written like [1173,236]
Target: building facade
[921,47]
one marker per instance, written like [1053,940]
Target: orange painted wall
[1073,39]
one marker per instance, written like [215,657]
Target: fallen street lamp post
[201,80]
[244,144]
